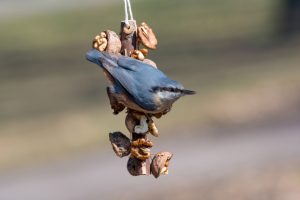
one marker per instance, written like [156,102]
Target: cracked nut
[107,41]
[144,51]
[100,41]
[146,36]
[140,153]
[120,144]
[160,164]
[137,55]
[152,128]
[142,142]
[140,149]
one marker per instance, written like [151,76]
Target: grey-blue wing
[139,79]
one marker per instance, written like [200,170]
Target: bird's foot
[117,109]
[115,105]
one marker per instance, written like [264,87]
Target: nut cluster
[110,42]
[138,124]
[147,38]
[139,148]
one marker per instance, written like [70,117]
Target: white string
[126,13]
[130,11]
[127,6]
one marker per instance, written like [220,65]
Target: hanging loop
[127,7]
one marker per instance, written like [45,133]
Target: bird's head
[167,94]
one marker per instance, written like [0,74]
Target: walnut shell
[146,36]
[137,167]
[160,163]
[113,42]
[120,144]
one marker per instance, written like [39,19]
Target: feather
[138,78]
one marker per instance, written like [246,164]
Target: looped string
[127,6]
[130,11]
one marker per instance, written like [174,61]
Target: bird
[137,85]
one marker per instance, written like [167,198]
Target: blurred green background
[237,54]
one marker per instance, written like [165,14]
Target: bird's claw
[117,109]
[115,105]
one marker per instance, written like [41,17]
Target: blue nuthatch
[137,85]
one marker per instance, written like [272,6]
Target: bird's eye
[177,90]
[155,89]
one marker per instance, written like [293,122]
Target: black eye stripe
[169,89]
[155,89]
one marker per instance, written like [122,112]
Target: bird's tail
[188,92]
[93,55]
[98,57]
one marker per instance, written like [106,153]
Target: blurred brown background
[238,138]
